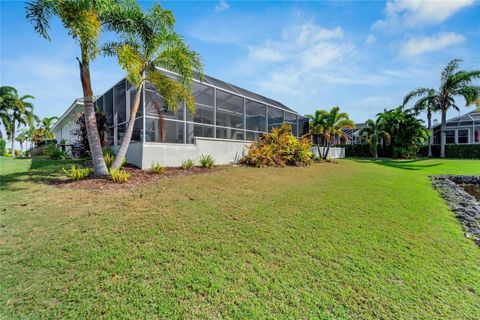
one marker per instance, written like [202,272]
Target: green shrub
[55,153]
[119,175]
[188,164]
[454,151]
[157,168]
[206,161]
[77,173]
[8,155]
[109,157]
[279,148]
[3,145]
[18,153]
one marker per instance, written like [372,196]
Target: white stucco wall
[172,155]
[333,153]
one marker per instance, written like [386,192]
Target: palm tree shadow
[412,165]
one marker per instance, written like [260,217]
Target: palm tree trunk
[99,167]
[13,138]
[429,120]
[122,151]
[442,133]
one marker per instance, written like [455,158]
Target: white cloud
[222,5]
[421,12]
[370,39]
[417,46]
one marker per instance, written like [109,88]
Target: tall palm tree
[428,104]
[317,126]
[148,43]
[335,123]
[45,129]
[373,133]
[83,19]
[19,111]
[454,83]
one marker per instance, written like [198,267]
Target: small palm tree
[373,133]
[18,111]
[83,19]
[149,43]
[454,83]
[45,129]
[335,123]
[317,126]
[428,104]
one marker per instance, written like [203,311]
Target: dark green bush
[3,145]
[454,151]
[356,150]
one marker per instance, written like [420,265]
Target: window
[203,104]
[108,101]
[198,130]
[302,126]
[155,104]
[110,132]
[121,132]
[133,92]
[137,134]
[275,118]
[292,119]
[227,133]
[166,131]
[252,136]
[450,136]
[120,102]
[229,110]
[256,116]
[462,136]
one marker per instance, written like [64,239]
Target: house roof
[463,120]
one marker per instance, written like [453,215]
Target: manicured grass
[356,239]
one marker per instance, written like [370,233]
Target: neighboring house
[227,118]
[464,129]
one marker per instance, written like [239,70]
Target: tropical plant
[17,111]
[157,168]
[188,164]
[119,175]
[81,132]
[406,133]
[148,43]
[334,124]
[109,157]
[3,145]
[372,135]
[55,153]
[453,83]
[83,19]
[279,148]
[428,105]
[77,173]
[317,127]
[206,161]
[44,131]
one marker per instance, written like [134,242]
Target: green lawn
[356,239]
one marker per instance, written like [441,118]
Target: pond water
[473,189]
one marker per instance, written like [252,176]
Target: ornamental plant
[279,148]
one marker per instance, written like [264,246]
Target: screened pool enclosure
[222,111]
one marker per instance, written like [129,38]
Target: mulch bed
[138,178]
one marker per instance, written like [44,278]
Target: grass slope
[357,239]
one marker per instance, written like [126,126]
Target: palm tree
[454,83]
[373,133]
[149,42]
[18,111]
[317,126]
[83,19]
[429,105]
[45,129]
[335,123]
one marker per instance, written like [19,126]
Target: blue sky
[363,56]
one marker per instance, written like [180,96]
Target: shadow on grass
[41,170]
[416,164]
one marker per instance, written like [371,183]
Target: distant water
[474,190]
